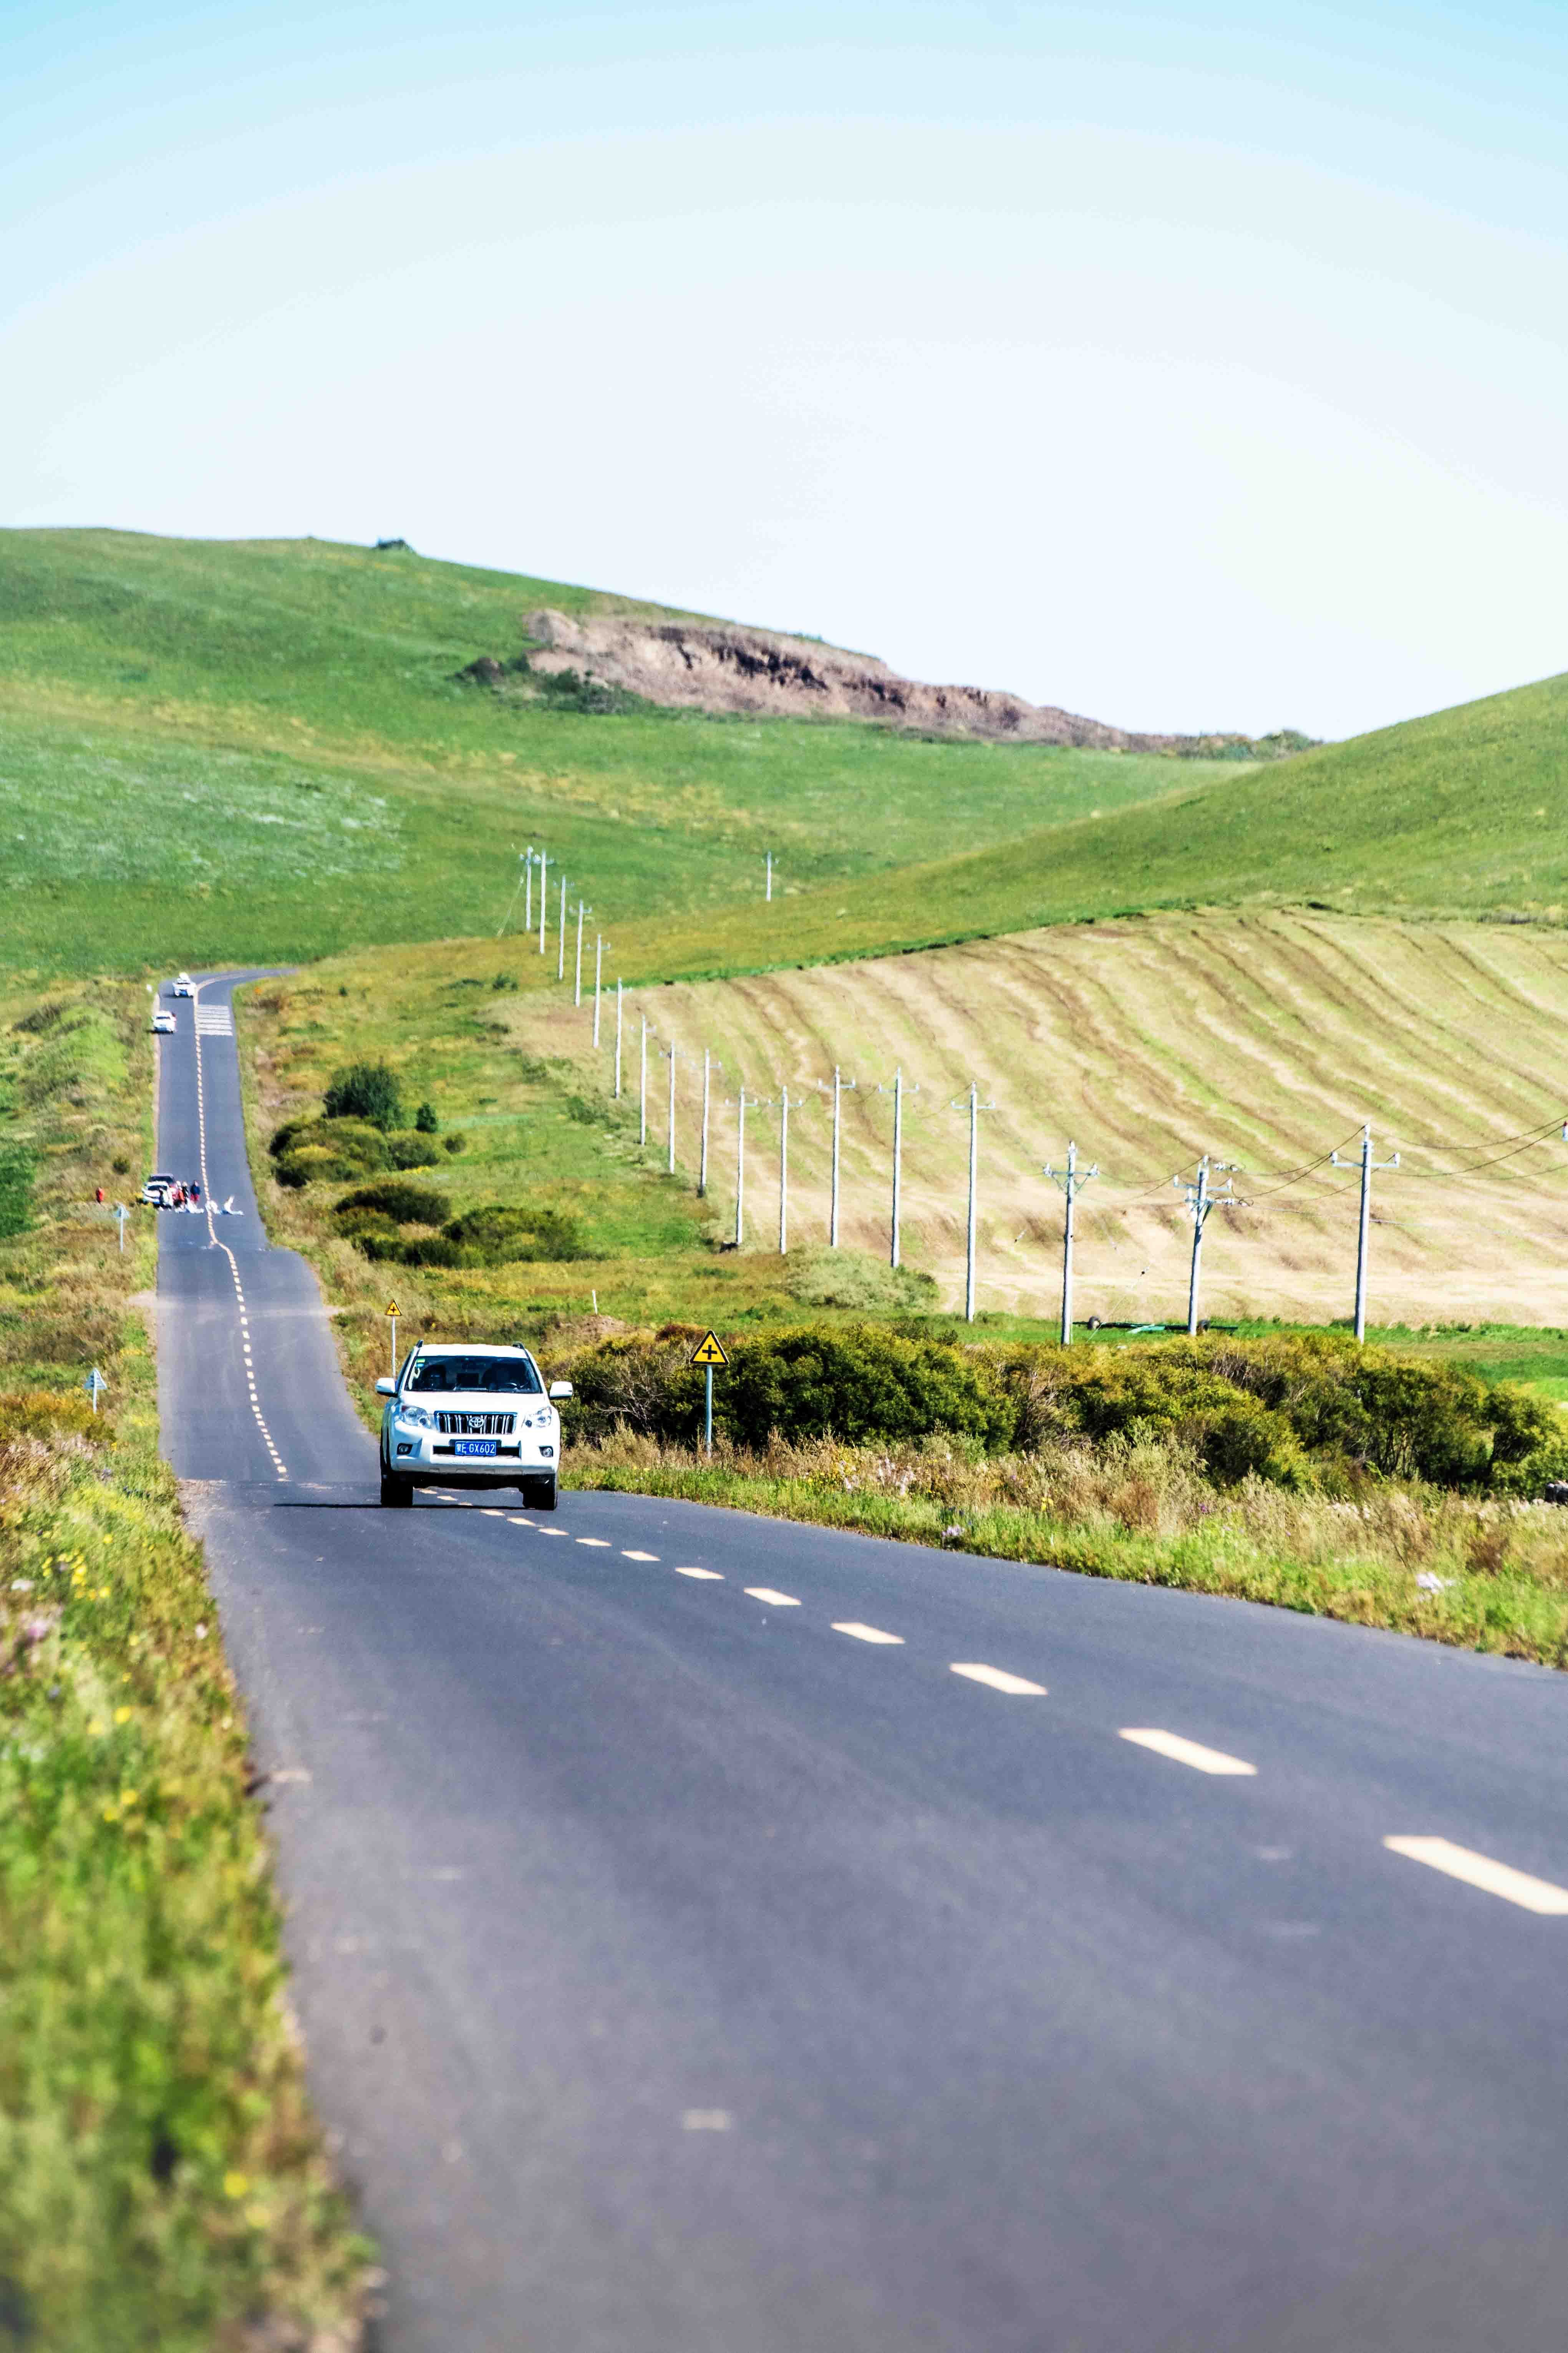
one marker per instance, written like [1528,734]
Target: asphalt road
[685,1971]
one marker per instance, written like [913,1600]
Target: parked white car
[470,1416]
[159,1189]
[181,986]
[164,1023]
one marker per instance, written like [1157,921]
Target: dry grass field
[1263,1040]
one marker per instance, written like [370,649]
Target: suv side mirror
[384,1388]
[560,1388]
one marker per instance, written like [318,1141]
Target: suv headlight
[417,1415]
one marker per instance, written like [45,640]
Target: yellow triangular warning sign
[708,1351]
[393,1308]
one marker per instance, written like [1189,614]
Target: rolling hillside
[215,751]
[1263,1039]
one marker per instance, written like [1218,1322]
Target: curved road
[716,1936]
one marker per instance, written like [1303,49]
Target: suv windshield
[506,1374]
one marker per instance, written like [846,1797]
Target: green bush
[394,1197]
[1332,1404]
[425,1119]
[861,1382]
[365,1091]
[329,1150]
[406,1149]
[1292,1411]
[498,1235]
[455,1142]
[857,1382]
[432,1249]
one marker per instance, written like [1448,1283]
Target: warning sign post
[708,1352]
[391,1311]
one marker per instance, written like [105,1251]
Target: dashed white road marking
[492,1511]
[550,1532]
[710,1576]
[519,1524]
[639,1555]
[1480,1871]
[777,1600]
[1186,1751]
[216,1021]
[864,1633]
[998,1679]
[599,1544]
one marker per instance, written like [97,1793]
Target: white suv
[465,1415]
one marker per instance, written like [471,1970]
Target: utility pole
[899,1092]
[561,936]
[839,1084]
[783,1166]
[544,896]
[642,1088]
[740,1103]
[526,862]
[1073,1181]
[618,1041]
[670,1058]
[598,974]
[768,890]
[528,886]
[975,1108]
[708,1067]
[577,985]
[1367,1164]
[1202,1197]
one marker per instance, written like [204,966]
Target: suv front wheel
[395,1490]
[539,1493]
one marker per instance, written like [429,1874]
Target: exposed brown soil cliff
[721,667]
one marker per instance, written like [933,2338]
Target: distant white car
[471,1416]
[164,1023]
[182,985]
[158,1190]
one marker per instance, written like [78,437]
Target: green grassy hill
[223,750]
[1464,813]
[227,750]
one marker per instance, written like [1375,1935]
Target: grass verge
[162,2183]
[1496,1571]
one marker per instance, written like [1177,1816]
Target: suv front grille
[475,1425]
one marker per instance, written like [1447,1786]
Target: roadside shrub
[365,1091]
[858,1382]
[329,1150]
[491,1235]
[1334,1406]
[432,1250]
[406,1149]
[1531,1473]
[861,1382]
[425,1119]
[404,1204]
[455,1142]
[497,1234]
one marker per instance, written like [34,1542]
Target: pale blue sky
[1188,368]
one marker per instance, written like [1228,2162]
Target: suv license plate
[476,1446]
